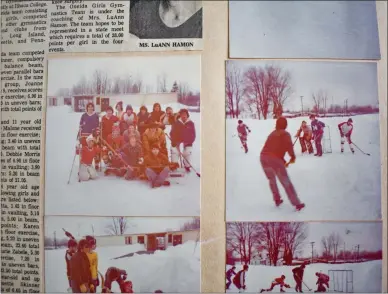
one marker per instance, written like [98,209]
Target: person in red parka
[88,153]
[243,130]
[182,133]
[107,122]
[298,273]
[239,278]
[72,249]
[115,140]
[81,277]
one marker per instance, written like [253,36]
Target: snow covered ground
[175,270]
[334,187]
[367,277]
[110,196]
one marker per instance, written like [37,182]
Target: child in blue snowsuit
[317,128]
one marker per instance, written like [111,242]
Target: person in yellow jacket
[93,260]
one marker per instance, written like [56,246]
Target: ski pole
[188,163]
[360,149]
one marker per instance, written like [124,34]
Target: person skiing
[93,260]
[305,140]
[158,167]
[142,120]
[239,278]
[132,154]
[71,250]
[298,277]
[277,282]
[182,133]
[113,274]
[323,280]
[154,135]
[88,153]
[318,130]
[88,122]
[230,272]
[80,269]
[107,122]
[129,118]
[242,131]
[346,129]
[274,166]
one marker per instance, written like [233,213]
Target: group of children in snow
[298,272]
[82,269]
[279,143]
[133,145]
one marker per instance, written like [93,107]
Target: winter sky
[303,29]
[81,226]
[64,73]
[367,234]
[355,81]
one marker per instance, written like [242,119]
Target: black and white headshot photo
[303,29]
[166,19]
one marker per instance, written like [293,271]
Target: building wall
[190,236]
[105,241]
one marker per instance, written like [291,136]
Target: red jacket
[88,154]
[278,144]
[115,142]
[107,124]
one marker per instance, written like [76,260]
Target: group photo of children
[123,136]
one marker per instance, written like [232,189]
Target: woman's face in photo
[174,13]
[90,108]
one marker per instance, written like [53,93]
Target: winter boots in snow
[299,207]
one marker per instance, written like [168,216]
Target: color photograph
[123,136]
[302,141]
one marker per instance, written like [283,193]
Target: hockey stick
[75,155]
[295,141]
[360,149]
[307,286]
[188,163]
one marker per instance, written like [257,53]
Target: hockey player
[143,117]
[230,272]
[298,277]
[71,250]
[274,166]
[305,140]
[318,130]
[113,274]
[239,278]
[115,140]
[131,131]
[242,131]
[346,129]
[168,118]
[80,269]
[154,135]
[277,282]
[88,153]
[182,133]
[119,110]
[323,280]
[132,154]
[89,121]
[129,118]
[156,115]
[93,260]
[107,123]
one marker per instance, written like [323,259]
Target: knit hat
[129,107]
[281,123]
[245,267]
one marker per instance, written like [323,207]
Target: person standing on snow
[89,121]
[318,130]
[80,269]
[242,131]
[298,277]
[274,166]
[305,140]
[119,110]
[93,260]
[229,275]
[182,132]
[107,122]
[72,249]
[346,129]
[129,118]
[239,278]
[88,153]
[277,282]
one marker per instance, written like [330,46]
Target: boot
[262,290]
[166,183]
[299,207]
[187,169]
[279,202]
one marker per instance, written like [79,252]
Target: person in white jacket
[346,129]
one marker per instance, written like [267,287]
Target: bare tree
[118,226]
[183,92]
[126,84]
[331,245]
[320,100]
[273,240]
[116,87]
[234,90]
[294,236]
[194,224]
[243,238]
[162,83]
[280,87]
[81,87]
[100,82]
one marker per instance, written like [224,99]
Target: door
[151,243]
[176,240]
[104,104]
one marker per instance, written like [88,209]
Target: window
[140,239]
[128,240]
[98,101]
[169,238]
[67,101]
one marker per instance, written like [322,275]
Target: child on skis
[318,130]
[229,275]
[305,140]
[71,250]
[274,166]
[346,129]
[242,131]
[298,277]
[182,133]
[277,282]
[239,278]
[88,153]
[323,280]
[93,260]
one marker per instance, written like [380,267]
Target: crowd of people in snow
[82,269]
[279,143]
[238,280]
[134,146]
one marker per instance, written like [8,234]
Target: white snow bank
[175,270]
[109,196]
[334,187]
[367,277]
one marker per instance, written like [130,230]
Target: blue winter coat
[317,127]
